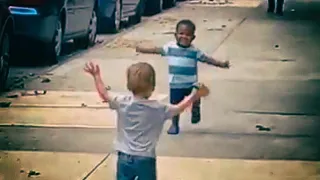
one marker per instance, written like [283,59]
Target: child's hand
[225,64]
[202,90]
[92,69]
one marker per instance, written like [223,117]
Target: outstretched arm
[102,91]
[149,50]
[212,61]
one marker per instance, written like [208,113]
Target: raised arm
[94,71]
[149,50]
[101,89]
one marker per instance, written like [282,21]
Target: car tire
[152,8]
[90,39]
[53,50]
[5,51]
[169,3]
[138,15]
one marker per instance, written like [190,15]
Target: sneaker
[279,13]
[270,10]
[195,119]
[173,130]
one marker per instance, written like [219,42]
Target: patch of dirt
[166,20]
[126,43]
[211,2]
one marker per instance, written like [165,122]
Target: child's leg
[146,168]
[125,167]
[196,115]
[176,96]
[195,112]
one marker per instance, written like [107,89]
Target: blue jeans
[130,167]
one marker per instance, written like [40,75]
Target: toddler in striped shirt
[182,58]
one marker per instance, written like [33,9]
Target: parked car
[52,22]
[112,12]
[153,7]
[6,32]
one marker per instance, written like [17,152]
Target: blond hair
[140,78]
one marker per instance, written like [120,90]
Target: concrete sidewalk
[272,86]
[76,166]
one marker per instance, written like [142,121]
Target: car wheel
[169,3]
[153,8]
[4,60]
[53,49]
[139,11]
[90,38]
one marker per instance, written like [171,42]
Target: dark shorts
[130,167]
[177,95]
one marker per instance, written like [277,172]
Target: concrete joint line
[74,126]
[276,113]
[58,106]
[229,34]
[97,166]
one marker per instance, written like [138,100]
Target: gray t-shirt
[139,124]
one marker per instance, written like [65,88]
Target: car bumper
[30,24]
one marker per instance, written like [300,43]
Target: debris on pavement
[22,171]
[224,26]
[126,43]
[214,29]
[168,32]
[262,128]
[287,60]
[34,93]
[45,80]
[276,46]
[83,105]
[33,173]
[210,2]
[108,88]
[166,19]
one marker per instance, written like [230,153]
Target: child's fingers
[97,68]
[91,65]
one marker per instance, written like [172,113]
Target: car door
[129,7]
[83,12]
[70,19]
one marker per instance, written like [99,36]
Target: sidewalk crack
[96,167]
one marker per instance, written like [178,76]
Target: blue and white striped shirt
[183,64]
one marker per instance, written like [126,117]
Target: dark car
[6,32]
[49,23]
[112,12]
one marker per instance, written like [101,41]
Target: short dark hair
[188,23]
